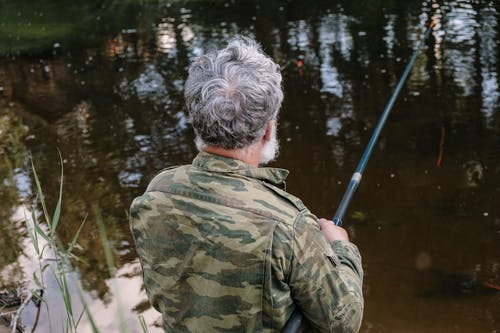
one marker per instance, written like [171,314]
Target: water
[102,82]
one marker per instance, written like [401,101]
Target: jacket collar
[221,164]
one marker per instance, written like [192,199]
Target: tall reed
[60,264]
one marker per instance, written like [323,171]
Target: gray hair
[232,94]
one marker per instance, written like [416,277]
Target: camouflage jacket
[224,248]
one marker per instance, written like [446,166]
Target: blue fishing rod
[295,320]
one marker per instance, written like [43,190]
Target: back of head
[232,94]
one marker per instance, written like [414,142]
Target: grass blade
[109,260]
[42,233]
[144,326]
[67,295]
[86,309]
[57,211]
[44,267]
[76,236]
[63,289]
[37,281]
[32,234]
[38,297]
[105,242]
[40,193]
[79,318]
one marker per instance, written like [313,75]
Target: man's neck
[249,155]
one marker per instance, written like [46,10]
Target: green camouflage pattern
[224,248]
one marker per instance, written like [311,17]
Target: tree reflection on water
[103,82]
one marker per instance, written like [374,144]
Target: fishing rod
[295,320]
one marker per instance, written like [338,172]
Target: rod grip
[294,322]
[346,199]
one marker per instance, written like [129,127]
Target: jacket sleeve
[142,212]
[326,279]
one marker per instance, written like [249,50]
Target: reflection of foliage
[118,116]
[29,25]
[32,27]
[12,150]
[9,244]
[33,37]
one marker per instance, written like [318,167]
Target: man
[223,247]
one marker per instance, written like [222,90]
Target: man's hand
[331,231]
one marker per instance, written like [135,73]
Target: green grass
[47,230]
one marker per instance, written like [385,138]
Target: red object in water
[441,145]
[491,286]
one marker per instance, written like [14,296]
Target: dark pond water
[102,82]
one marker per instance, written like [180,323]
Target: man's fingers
[323,223]
[331,231]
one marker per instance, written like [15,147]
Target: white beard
[199,143]
[271,148]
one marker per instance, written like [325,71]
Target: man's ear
[269,131]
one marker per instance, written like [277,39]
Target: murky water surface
[102,82]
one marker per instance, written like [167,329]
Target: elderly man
[223,247]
